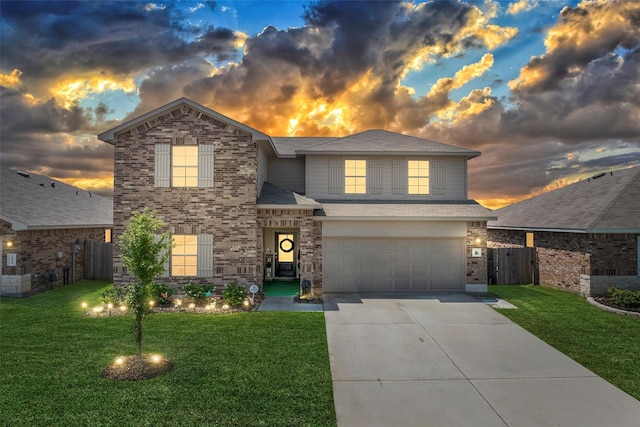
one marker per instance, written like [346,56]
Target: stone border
[611,309]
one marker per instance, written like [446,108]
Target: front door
[285,251]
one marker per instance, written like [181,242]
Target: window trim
[418,177]
[355,185]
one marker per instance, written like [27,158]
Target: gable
[182,106]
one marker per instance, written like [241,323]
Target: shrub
[115,295]
[234,294]
[161,293]
[199,293]
[625,298]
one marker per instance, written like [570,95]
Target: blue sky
[546,90]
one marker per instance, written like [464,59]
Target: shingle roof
[610,202]
[464,210]
[287,145]
[277,197]
[37,202]
[378,141]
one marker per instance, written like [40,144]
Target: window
[355,176]
[530,240]
[184,257]
[418,173]
[185,165]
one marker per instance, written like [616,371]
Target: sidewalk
[285,303]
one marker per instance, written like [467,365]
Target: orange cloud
[10,80]
[521,6]
[72,88]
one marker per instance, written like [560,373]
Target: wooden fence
[512,266]
[98,261]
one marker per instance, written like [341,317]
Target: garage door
[359,264]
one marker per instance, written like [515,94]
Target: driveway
[451,360]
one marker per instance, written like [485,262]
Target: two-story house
[375,211]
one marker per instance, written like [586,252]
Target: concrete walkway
[285,303]
[450,360]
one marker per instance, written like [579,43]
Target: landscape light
[119,360]
[84,308]
[155,358]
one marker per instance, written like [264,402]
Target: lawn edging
[612,309]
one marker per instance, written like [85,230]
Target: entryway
[279,288]
[281,253]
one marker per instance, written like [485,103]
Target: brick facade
[476,266]
[227,210]
[36,254]
[564,257]
[309,245]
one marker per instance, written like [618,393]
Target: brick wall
[36,253]
[309,242]
[227,210]
[477,266]
[563,257]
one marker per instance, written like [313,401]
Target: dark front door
[285,251]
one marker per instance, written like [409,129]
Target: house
[372,212]
[586,235]
[43,226]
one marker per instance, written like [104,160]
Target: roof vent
[53,185]
[598,175]
[26,175]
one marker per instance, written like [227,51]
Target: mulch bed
[604,300]
[132,368]
[307,299]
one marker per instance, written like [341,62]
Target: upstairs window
[355,176]
[418,177]
[184,172]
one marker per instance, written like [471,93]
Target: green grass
[250,369]
[606,343]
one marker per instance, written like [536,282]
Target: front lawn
[607,344]
[250,369]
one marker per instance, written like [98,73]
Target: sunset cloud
[444,70]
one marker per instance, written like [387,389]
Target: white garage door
[365,264]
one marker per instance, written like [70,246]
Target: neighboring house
[43,226]
[372,212]
[586,235]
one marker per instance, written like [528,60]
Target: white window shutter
[399,177]
[163,165]
[374,176]
[205,255]
[336,176]
[437,178]
[205,165]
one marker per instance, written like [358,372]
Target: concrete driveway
[451,360]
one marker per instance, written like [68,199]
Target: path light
[225,307]
[192,306]
[123,308]
[84,308]
[155,358]
[208,307]
[151,303]
[110,306]
[246,303]
[119,360]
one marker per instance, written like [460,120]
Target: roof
[378,141]
[607,203]
[272,197]
[111,134]
[36,202]
[463,210]
[288,145]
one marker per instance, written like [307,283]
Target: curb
[611,309]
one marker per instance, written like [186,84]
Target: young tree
[144,250]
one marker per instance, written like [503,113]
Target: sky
[548,91]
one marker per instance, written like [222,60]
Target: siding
[263,166]
[452,177]
[287,174]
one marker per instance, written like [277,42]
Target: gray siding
[263,166]
[447,176]
[287,174]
